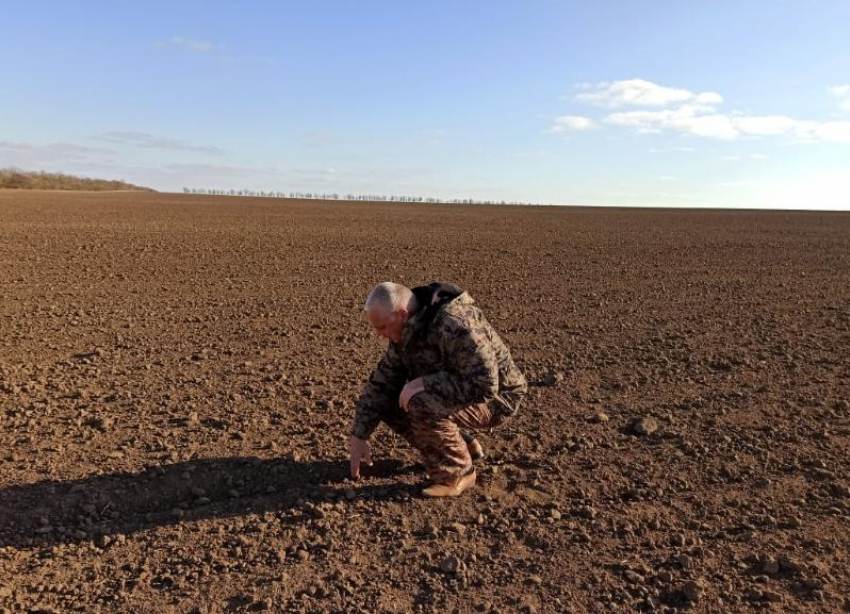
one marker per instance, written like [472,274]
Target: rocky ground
[178,373]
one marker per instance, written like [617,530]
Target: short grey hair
[388,295]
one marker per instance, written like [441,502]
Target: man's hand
[410,390]
[360,451]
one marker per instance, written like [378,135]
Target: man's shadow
[107,507]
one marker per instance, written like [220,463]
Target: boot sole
[442,490]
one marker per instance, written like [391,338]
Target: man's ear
[403,314]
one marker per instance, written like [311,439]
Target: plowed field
[178,376]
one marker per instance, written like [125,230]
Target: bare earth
[178,374]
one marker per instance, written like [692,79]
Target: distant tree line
[351,197]
[12,178]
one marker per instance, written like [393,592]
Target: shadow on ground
[104,507]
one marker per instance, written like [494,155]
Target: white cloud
[691,114]
[769,125]
[572,123]
[53,149]
[837,131]
[690,119]
[213,50]
[709,98]
[29,156]
[189,44]
[706,122]
[639,92]
[151,141]
[842,92]
[712,125]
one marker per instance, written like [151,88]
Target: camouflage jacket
[456,352]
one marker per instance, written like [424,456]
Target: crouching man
[445,375]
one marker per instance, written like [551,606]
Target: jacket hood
[435,295]
[433,298]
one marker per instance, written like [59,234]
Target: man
[444,370]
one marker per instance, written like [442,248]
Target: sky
[650,103]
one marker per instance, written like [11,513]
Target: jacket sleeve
[471,369]
[381,390]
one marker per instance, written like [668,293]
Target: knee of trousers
[426,409]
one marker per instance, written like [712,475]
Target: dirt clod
[451,565]
[693,590]
[645,426]
[552,378]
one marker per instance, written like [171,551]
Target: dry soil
[178,376]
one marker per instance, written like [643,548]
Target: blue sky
[630,103]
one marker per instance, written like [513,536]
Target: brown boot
[476,450]
[451,489]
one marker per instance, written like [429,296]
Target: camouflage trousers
[440,434]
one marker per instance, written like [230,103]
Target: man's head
[388,308]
